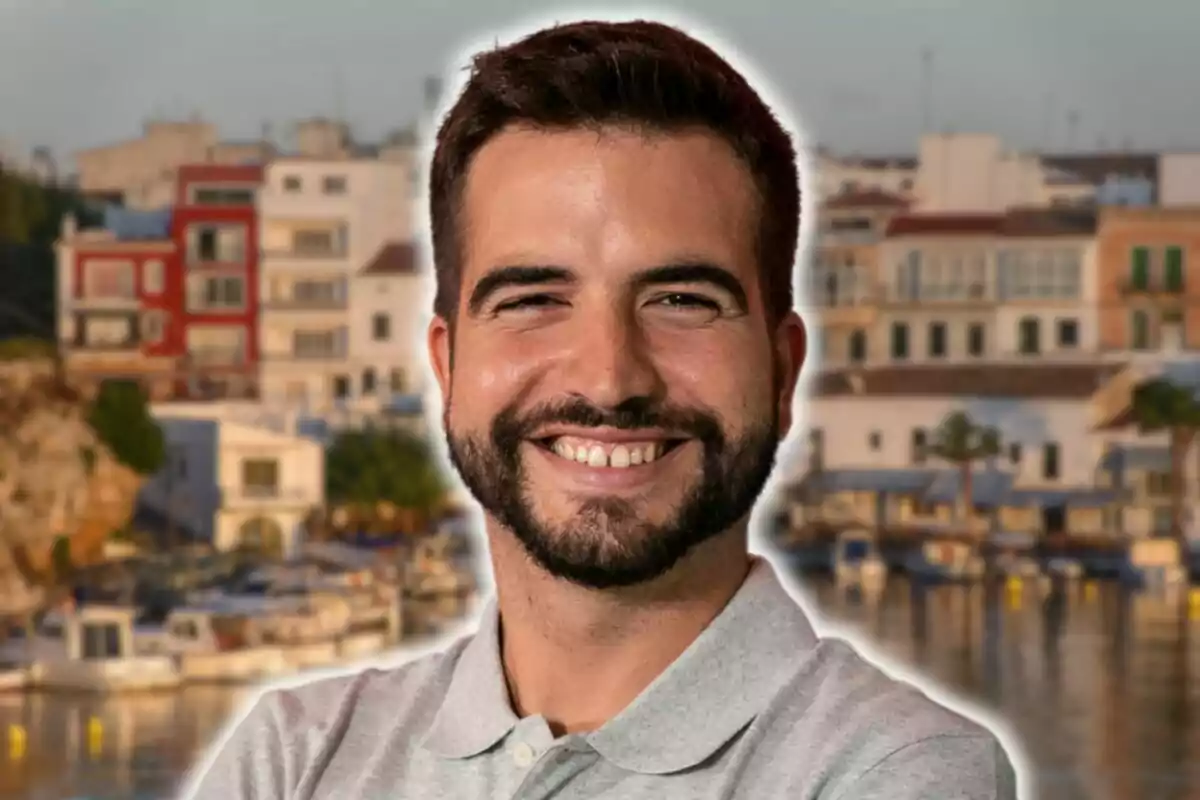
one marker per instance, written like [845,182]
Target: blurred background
[213,457]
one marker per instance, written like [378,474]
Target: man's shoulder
[409,690]
[855,721]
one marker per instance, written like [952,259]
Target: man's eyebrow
[501,277]
[696,272]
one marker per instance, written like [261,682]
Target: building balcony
[267,496]
[305,304]
[1154,289]
[307,355]
[100,302]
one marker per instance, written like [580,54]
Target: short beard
[606,544]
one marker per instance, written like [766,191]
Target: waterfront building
[870,431]
[842,282]
[141,173]
[113,307]
[1148,262]
[938,289]
[1046,284]
[321,221]
[391,308]
[235,485]
[212,297]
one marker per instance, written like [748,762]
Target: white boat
[1155,563]
[856,560]
[93,649]
[944,560]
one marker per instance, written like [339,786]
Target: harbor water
[1103,687]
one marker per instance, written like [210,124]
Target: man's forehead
[576,198]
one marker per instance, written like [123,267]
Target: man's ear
[438,340]
[791,350]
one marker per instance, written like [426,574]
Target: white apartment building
[976,173]
[236,485]
[392,305]
[321,222]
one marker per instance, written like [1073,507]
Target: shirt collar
[711,692]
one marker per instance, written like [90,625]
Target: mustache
[513,425]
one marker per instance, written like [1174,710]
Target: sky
[77,74]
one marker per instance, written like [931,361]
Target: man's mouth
[617,455]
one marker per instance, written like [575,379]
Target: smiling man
[615,222]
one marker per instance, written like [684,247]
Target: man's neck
[579,656]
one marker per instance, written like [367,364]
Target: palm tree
[960,441]
[1161,406]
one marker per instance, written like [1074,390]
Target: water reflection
[1104,687]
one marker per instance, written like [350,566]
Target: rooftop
[394,258]
[1040,381]
[864,198]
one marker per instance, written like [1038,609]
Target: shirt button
[523,754]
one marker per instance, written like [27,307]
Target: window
[858,346]
[216,344]
[153,276]
[154,327]
[920,441]
[227,293]
[341,387]
[216,244]
[1050,459]
[381,327]
[396,381]
[1029,337]
[101,641]
[318,292]
[975,339]
[260,476]
[107,331]
[899,348]
[875,441]
[1068,334]
[1158,484]
[1139,278]
[368,381]
[315,344]
[937,340]
[1173,269]
[1139,330]
[334,184]
[1014,453]
[109,280]
[219,196]
[292,184]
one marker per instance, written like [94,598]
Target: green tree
[960,441]
[120,416]
[370,466]
[1161,406]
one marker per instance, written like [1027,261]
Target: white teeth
[622,455]
[619,456]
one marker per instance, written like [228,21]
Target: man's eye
[527,302]
[688,301]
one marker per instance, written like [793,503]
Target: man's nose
[612,362]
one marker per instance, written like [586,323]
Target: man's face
[614,392]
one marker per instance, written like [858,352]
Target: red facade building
[212,293]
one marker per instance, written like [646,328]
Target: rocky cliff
[56,480]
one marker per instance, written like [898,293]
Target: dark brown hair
[642,75]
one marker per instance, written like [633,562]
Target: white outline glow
[454,79]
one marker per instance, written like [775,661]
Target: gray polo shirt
[759,707]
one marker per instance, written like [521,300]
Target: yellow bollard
[1014,593]
[1194,605]
[95,736]
[17,739]
[1089,591]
